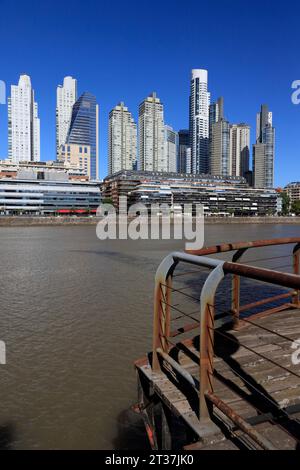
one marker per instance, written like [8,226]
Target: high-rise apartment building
[152,155]
[239,149]
[264,150]
[84,128]
[199,121]
[183,145]
[220,163]
[66,96]
[171,146]
[122,140]
[23,123]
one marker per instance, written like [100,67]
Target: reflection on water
[75,313]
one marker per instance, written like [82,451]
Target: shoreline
[27,221]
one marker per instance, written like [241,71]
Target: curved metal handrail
[219,269]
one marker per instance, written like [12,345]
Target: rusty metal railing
[204,319]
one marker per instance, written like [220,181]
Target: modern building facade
[264,150]
[199,121]
[78,156]
[171,147]
[152,155]
[122,140]
[239,149]
[83,129]
[220,163]
[218,195]
[123,182]
[40,197]
[23,123]
[66,96]
[183,145]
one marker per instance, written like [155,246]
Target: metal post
[296,259]
[236,288]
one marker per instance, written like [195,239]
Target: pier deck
[263,393]
[232,386]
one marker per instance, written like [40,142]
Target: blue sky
[121,51]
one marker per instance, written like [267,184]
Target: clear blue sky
[122,50]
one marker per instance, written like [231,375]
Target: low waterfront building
[293,191]
[224,200]
[40,197]
[123,182]
[218,194]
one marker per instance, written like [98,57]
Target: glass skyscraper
[84,128]
[264,150]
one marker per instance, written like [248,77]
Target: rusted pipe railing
[241,248]
[219,269]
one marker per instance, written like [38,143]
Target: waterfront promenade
[24,221]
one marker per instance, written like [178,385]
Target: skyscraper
[171,145]
[84,128]
[183,145]
[219,139]
[66,95]
[239,149]
[122,140]
[219,148]
[264,150]
[216,111]
[23,123]
[152,156]
[199,121]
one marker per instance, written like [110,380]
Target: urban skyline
[215,155]
[128,70]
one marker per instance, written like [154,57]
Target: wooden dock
[233,386]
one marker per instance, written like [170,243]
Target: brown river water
[75,313]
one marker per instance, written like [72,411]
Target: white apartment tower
[152,155]
[239,149]
[199,121]
[23,123]
[66,96]
[122,140]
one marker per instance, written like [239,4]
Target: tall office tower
[220,163]
[23,123]
[122,137]
[264,150]
[216,113]
[239,149]
[66,95]
[171,146]
[183,145]
[152,155]
[199,121]
[84,128]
